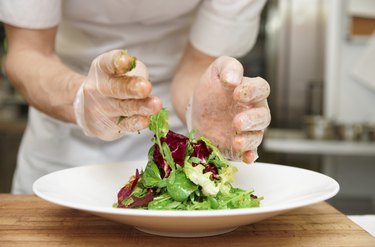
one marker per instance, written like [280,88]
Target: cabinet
[10,138]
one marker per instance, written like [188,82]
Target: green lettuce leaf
[196,175]
[179,186]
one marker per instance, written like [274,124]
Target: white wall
[356,102]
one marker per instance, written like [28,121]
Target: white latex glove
[115,98]
[230,109]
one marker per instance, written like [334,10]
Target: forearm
[41,78]
[44,82]
[188,74]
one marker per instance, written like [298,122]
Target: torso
[153,31]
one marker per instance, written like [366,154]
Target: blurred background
[318,57]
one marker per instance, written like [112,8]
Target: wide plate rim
[184,213]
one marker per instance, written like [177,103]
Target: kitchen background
[316,55]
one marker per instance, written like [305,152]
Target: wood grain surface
[26,220]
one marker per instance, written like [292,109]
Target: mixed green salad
[183,173]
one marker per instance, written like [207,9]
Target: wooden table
[26,220]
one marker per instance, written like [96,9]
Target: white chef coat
[155,31]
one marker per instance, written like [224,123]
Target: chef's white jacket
[155,31]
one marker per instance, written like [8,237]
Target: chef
[93,72]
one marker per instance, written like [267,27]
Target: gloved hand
[115,97]
[230,109]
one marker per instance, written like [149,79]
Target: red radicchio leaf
[212,168]
[142,201]
[161,163]
[201,150]
[127,189]
[177,143]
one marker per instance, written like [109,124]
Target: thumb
[116,62]
[229,70]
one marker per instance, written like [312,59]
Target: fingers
[247,144]
[116,74]
[134,123]
[247,140]
[256,118]
[251,90]
[250,156]
[250,125]
[132,85]
[130,107]
[110,129]
[116,62]
[126,87]
[229,70]
[237,109]
[115,97]
[139,70]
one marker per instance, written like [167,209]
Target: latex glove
[230,109]
[115,98]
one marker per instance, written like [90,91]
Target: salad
[183,173]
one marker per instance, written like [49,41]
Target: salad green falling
[183,173]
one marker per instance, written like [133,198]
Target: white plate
[94,189]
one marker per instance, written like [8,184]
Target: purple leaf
[177,143]
[201,150]
[127,189]
[142,201]
[164,168]
[212,168]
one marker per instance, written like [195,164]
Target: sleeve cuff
[34,14]
[218,37]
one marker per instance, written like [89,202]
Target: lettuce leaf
[196,175]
